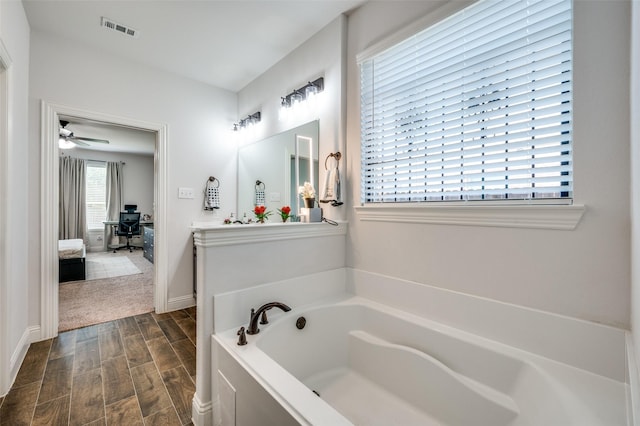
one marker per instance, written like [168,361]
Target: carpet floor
[83,303]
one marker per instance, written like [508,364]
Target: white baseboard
[35,333]
[20,352]
[201,413]
[180,303]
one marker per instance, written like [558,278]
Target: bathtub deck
[368,403]
[388,368]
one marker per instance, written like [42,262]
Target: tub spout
[255,315]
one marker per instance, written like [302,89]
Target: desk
[110,231]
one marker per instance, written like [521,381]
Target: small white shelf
[209,234]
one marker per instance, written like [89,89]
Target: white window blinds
[96,181]
[475,107]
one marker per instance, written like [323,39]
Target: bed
[71,255]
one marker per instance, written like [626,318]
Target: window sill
[536,216]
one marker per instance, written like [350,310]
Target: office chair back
[128,226]
[129,223]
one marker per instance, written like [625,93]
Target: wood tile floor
[138,370]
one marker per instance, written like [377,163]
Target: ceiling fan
[69,140]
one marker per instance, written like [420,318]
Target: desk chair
[128,226]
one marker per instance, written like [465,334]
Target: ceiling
[121,139]
[225,43]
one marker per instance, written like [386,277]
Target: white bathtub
[359,362]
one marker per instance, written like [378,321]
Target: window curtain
[114,190]
[73,219]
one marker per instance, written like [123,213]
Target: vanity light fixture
[305,93]
[247,122]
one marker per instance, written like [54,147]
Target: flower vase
[261,219]
[284,219]
[309,202]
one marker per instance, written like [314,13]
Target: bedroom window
[96,195]
[475,107]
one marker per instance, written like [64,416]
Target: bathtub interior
[363,358]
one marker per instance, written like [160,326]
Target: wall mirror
[280,163]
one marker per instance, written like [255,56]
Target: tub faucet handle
[253,312]
[242,340]
[263,318]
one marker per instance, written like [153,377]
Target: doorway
[104,170]
[49,198]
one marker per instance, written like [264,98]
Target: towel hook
[260,185]
[215,181]
[336,155]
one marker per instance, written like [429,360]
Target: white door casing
[5,263]
[49,201]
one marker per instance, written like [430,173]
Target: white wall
[320,56]
[198,117]
[583,273]
[14,34]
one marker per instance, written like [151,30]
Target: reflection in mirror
[273,162]
[304,163]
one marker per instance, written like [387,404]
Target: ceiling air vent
[122,29]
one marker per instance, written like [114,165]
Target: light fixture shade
[283,112]
[311,91]
[296,98]
[65,144]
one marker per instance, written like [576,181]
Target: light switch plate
[185,192]
[274,196]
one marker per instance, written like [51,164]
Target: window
[475,107]
[96,195]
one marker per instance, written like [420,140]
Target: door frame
[6,366]
[49,199]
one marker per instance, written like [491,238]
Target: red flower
[284,212]
[261,213]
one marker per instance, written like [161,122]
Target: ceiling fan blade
[90,139]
